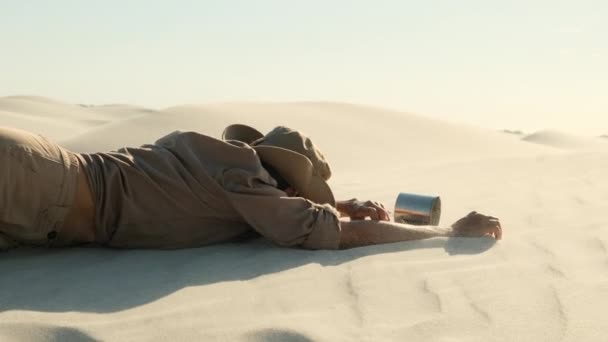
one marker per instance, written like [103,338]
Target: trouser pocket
[29,187]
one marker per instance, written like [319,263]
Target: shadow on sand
[106,280]
[39,332]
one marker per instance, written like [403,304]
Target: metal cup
[417,209]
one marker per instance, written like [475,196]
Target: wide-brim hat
[293,156]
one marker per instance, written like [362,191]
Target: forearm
[368,232]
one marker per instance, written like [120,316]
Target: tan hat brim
[298,171]
[242,133]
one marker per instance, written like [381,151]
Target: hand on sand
[359,210]
[477,225]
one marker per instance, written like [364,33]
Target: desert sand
[547,280]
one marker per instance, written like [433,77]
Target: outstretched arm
[368,232]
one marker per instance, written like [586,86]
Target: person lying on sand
[190,190]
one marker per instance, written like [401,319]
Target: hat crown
[295,141]
[293,156]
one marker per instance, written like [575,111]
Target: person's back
[162,195]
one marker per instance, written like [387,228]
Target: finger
[372,213]
[382,213]
[497,228]
[496,233]
[386,211]
[488,225]
[364,212]
[493,232]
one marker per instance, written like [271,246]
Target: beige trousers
[38,180]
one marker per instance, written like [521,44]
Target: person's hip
[38,183]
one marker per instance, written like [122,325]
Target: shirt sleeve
[287,221]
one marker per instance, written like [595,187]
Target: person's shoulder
[202,143]
[171,139]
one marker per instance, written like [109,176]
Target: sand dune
[48,109]
[55,119]
[546,281]
[564,140]
[121,111]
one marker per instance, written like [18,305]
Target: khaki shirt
[189,189]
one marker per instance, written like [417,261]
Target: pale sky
[503,64]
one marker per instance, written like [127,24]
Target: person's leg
[37,184]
